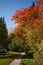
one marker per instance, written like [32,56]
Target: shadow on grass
[17,56]
[9,56]
[28,56]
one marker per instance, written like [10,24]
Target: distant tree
[16,43]
[3,33]
[33,4]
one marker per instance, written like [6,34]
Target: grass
[8,57]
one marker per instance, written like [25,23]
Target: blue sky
[8,7]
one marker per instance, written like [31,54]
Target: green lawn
[8,57]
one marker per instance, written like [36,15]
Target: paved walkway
[17,60]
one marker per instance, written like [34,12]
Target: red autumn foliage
[35,9]
[18,32]
[26,12]
[40,1]
[20,17]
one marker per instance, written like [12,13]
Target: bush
[26,62]
[2,51]
[38,59]
[33,39]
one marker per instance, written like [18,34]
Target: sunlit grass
[8,57]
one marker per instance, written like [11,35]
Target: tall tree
[28,20]
[3,33]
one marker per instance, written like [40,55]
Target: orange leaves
[18,32]
[22,18]
[21,23]
[40,1]
[24,13]
[35,9]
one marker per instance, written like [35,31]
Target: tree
[28,20]
[33,4]
[3,33]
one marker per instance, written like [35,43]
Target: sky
[8,8]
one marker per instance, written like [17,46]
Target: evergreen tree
[33,4]
[3,33]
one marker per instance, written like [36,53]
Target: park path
[17,60]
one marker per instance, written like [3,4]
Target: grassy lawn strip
[8,57]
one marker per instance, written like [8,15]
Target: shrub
[26,62]
[2,51]
[38,58]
